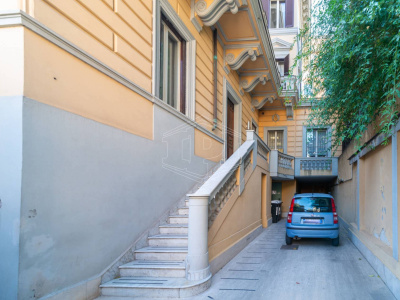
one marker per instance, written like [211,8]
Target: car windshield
[312,204]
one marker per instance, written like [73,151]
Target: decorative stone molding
[211,14]
[258,102]
[236,62]
[195,19]
[248,83]
[289,110]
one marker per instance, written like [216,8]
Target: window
[254,127]
[172,66]
[174,61]
[281,67]
[317,140]
[275,140]
[278,14]
[312,204]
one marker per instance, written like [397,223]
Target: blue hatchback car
[312,216]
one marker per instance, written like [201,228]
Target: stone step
[154,287]
[183,210]
[174,229]
[146,268]
[168,240]
[161,253]
[178,219]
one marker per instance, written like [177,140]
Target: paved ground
[317,270]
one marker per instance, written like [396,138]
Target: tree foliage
[351,65]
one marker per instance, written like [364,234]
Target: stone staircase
[159,270]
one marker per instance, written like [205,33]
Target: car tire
[335,242]
[289,240]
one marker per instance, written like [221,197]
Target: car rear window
[312,204]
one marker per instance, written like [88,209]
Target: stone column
[198,267]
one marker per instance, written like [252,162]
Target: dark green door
[276,191]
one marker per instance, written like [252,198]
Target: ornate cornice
[211,14]
[258,102]
[236,62]
[248,84]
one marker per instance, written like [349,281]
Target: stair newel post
[197,260]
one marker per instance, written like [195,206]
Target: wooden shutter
[286,65]
[289,13]
[266,4]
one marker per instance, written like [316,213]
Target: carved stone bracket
[248,83]
[235,62]
[211,14]
[289,108]
[258,102]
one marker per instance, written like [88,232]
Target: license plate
[312,221]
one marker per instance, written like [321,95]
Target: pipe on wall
[215,69]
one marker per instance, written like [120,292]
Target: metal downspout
[215,62]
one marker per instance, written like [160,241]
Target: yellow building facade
[153,130]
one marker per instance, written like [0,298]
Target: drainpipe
[215,60]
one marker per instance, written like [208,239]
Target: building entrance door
[230,132]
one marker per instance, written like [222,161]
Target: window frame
[328,136]
[277,13]
[289,15]
[229,92]
[163,9]
[284,128]
[275,139]
[179,76]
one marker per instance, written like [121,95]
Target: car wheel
[289,240]
[335,242]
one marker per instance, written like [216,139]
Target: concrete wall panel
[10,193]
[90,190]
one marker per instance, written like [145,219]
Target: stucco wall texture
[80,212]
[376,207]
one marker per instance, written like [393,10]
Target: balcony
[321,167]
[281,166]
[289,87]
[288,84]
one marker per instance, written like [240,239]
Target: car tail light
[335,216]
[289,216]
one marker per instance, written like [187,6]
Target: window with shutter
[280,13]
[289,13]
[286,65]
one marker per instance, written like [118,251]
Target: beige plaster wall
[376,208]
[55,77]
[345,194]
[288,190]
[204,76]
[118,33]
[294,128]
[240,216]
[207,147]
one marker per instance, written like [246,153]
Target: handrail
[288,83]
[287,156]
[208,201]
[220,177]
